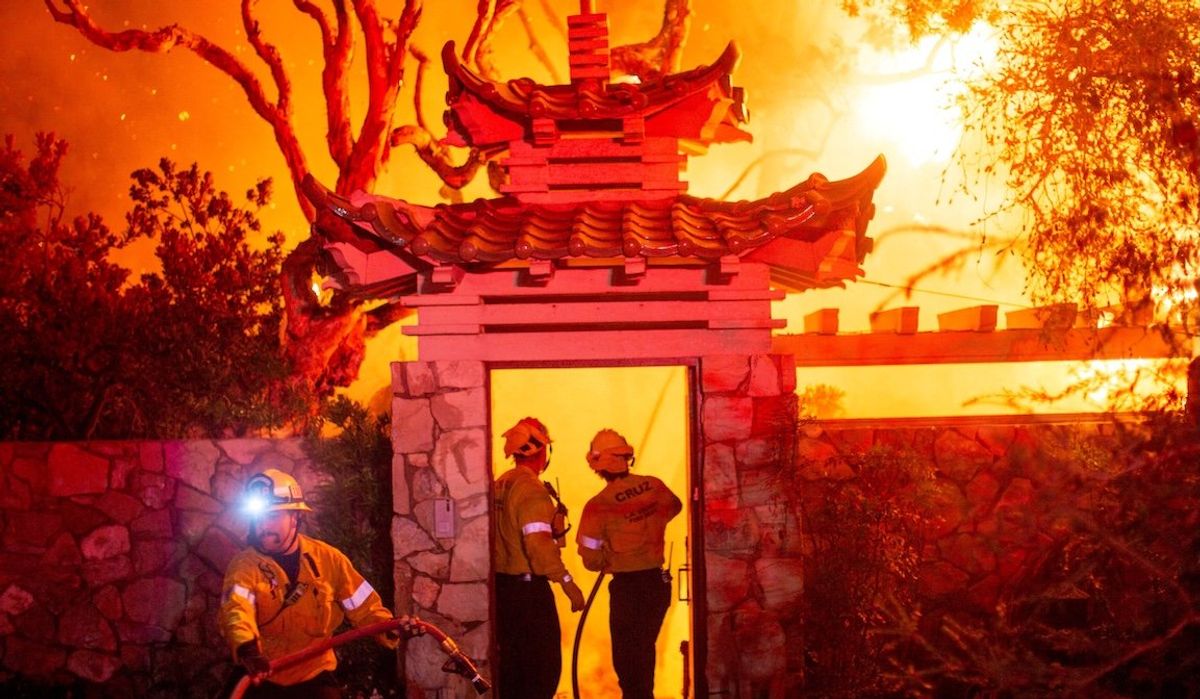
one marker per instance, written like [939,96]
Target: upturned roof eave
[819,225]
[660,95]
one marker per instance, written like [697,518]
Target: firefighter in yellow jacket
[527,560]
[621,532]
[287,591]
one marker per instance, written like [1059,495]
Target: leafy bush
[189,350]
[863,540]
[1094,591]
[354,513]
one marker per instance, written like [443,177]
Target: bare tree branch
[535,46]
[555,21]
[166,38]
[335,77]
[437,156]
[757,162]
[484,11]
[478,49]
[385,61]
[953,261]
[422,60]
[269,54]
[663,53]
[319,16]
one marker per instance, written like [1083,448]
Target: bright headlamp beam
[254,505]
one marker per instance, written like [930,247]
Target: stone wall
[988,500]
[111,553]
[111,560]
[985,502]
[440,446]
[754,580]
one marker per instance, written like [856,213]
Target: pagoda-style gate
[596,256]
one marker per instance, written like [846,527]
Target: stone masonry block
[461,459]
[728,582]
[464,602]
[245,451]
[727,417]
[731,532]
[764,376]
[74,471]
[472,554]
[761,643]
[412,425]
[408,537]
[460,374]
[105,542]
[150,455]
[960,457]
[193,461]
[457,409]
[720,477]
[418,379]
[782,584]
[760,453]
[435,565]
[775,415]
[721,373]
[759,487]
[401,496]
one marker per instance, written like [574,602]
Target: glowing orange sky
[124,111]
[820,100]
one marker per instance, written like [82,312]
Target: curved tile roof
[523,99]
[492,231]
[524,96]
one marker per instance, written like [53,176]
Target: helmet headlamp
[272,491]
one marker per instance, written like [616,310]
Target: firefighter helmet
[272,491]
[609,452]
[526,438]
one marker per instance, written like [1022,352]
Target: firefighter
[527,560]
[287,591]
[621,532]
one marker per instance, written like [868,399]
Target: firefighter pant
[638,604]
[528,636]
[321,686]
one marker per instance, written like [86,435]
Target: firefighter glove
[252,659]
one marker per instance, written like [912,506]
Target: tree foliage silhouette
[191,349]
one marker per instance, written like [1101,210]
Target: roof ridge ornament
[591,176]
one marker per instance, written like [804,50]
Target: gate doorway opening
[651,407]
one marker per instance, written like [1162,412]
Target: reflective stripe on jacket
[523,541]
[252,605]
[622,528]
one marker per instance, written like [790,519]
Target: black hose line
[579,635]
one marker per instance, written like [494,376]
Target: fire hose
[458,662]
[579,635]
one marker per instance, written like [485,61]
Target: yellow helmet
[526,438]
[272,491]
[609,452]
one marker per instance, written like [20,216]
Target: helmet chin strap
[295,534]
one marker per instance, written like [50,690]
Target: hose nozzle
[460,664]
